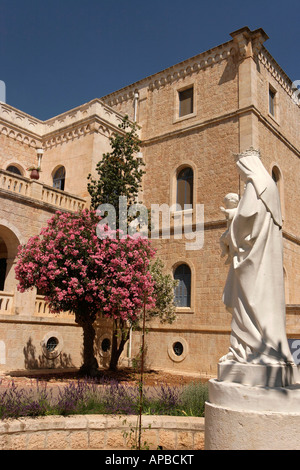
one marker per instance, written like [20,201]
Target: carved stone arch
[13,163]
[173,180]
[190,265]
[10,240]
[59,177]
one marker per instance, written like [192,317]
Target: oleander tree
[87,273]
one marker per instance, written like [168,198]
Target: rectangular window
[186,102]
[272,94]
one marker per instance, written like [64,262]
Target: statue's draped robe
[254,290]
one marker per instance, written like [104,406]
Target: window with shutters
[186,102]
[183,290]
[185,183]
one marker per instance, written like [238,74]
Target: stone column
[248,44]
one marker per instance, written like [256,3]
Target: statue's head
[248,162]
[231,200]
[251,152]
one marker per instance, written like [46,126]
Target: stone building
[193,117]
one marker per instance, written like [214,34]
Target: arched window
[185,187]
[277,177]
[59,178]
[182,274]
[276,174]
[14,169]
[3,263]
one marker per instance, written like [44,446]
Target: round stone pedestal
[243,417]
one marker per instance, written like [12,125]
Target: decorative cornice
[193,66]
[19,134]
[276,71]
[91,117]
[91,125]
[172,74]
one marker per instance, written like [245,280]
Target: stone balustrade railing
[33,189]
[42,309]
[41,306]
[6,302]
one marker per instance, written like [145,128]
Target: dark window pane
[2,273]
[105,345]
[271,102]
[185,187]
[51,344]
[186,102]
[59,179]
[178,348]
[183,290]
[14,169]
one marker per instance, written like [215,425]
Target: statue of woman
[254,290]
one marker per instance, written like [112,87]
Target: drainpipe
[135,104]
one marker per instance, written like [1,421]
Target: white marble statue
[231,202]
[254,290]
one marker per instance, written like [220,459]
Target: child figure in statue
[231,201]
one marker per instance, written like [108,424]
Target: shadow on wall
[32,361]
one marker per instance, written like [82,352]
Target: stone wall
[101,432]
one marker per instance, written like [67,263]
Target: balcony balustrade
[6,302]
[25,187]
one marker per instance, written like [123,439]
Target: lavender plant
[102,397]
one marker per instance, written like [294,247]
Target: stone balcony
[6,302]
[19,187]
[9,301]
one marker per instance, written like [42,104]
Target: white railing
[24,187]
[6,302]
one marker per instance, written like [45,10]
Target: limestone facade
[240,98]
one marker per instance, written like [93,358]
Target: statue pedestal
[277,375]
[261,412]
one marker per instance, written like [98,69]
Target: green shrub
[193,398]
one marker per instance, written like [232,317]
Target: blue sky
[58,54]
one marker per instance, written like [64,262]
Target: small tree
[119,172]
[87,275]
[163,292]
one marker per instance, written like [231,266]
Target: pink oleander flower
[73,266]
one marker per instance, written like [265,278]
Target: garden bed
[108,394]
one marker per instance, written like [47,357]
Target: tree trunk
[116,350]
[90,363]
